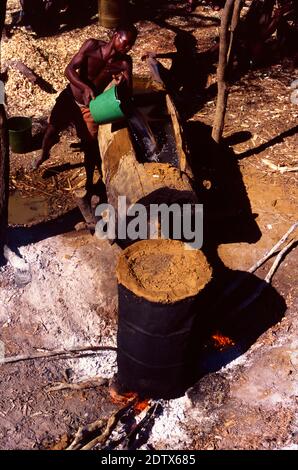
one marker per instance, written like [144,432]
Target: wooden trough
[167,181]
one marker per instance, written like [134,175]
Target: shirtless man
[95,65]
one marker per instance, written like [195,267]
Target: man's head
[124,38]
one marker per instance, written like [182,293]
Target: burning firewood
[138,416]
[147,419]
[105,425]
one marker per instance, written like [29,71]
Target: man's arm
[75,64]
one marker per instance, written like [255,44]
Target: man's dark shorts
[66,111]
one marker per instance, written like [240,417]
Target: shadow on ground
[228,218]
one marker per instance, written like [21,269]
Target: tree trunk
[229,22]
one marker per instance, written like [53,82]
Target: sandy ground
[246,397]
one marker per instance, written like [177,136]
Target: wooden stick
[112,421]
[266,281]
[259,263]
[278,260]
[282,169]
[273,249]
[85,384]
[82,431]
[74,352]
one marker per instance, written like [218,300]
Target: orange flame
[221,342]
[140,406]
[123,398]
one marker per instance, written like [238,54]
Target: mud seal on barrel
[163,271]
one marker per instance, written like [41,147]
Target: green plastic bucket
[106,107]
[20,134]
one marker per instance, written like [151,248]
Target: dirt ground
[246,393]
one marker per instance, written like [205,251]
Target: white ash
[84,368]
[168,429]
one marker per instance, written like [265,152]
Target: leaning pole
[4,150]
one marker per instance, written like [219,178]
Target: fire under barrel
[158,282]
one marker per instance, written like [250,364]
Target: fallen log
[32,76]
[21,67]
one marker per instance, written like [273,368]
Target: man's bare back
[94,67]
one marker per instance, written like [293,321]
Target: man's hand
[88,95]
